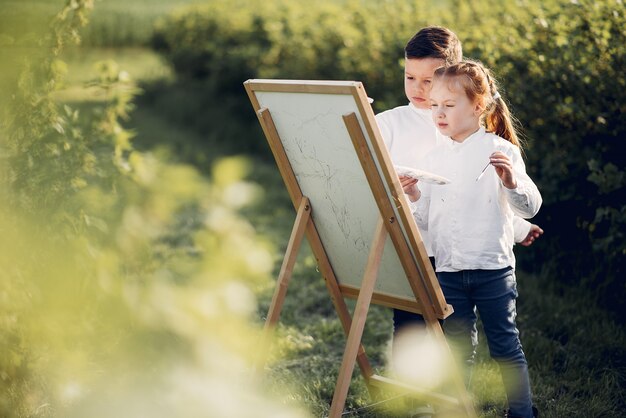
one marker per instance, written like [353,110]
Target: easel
[407,242]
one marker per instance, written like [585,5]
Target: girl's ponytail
[499,120]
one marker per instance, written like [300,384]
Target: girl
[470,220]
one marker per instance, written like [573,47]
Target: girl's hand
[409,185]
[504,169]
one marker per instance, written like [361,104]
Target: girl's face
[418,76]
[453,113]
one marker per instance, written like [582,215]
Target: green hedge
[561,65]
[224,43]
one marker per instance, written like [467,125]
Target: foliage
[559,62]
[113,23]
[125,280]
[227,42]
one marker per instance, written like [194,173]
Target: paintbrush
[483,172]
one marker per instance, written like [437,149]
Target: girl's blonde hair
[480,87]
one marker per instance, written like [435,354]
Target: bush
[215,47]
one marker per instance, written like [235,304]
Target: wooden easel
[407,243]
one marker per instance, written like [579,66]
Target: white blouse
[471,222]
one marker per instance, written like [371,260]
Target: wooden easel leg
[297,233]
[340,306]
[358,321]
[466,404]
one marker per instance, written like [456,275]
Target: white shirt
[471,222]
[409,134]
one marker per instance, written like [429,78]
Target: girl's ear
[479,107]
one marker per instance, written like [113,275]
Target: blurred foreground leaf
[124,280]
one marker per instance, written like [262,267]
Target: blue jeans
[492,294]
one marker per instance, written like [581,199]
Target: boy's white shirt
[471,222]
[410,134]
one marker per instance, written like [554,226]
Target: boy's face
[418,75]
[454,114]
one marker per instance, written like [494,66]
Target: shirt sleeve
[385,130]
[421,207]
[525,200]
[521,228]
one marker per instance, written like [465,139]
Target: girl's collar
[480,132]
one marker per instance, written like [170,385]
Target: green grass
[576,356]
[141,64]
[123,23]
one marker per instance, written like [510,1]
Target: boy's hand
[409,185]
[534,233]
[504,169]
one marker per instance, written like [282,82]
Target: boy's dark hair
[435,42]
